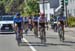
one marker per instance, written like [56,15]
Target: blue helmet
[18,14]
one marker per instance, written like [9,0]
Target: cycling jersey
[61,20]
[25,20]
[18,21]
[35,20]
[42,21]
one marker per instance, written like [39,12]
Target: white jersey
[42,20]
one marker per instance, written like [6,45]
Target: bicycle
[42,35]
[26,28]
[19,36]
[36,31]
[61,33]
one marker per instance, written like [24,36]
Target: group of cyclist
[37,22]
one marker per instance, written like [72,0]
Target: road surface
[31,43]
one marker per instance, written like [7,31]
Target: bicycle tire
[61,34]
[35,32]
[42,36]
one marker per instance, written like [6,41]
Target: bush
[71,21]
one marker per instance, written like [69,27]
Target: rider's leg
[63,32]
[26,28]
[21,32]
[15,28]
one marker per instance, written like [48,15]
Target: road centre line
[32,48]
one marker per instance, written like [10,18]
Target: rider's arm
[15,25]
[22,22]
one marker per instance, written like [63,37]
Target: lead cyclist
[42,22]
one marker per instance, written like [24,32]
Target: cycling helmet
[17,14]
[42,14]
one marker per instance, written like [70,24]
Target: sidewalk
[70,29]
[67,29]
[70,32]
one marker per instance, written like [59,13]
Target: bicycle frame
[19,35]
[42,35]
[61,33]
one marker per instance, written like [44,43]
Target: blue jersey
[61,19]
[25,20]
[35,19]
[18,20]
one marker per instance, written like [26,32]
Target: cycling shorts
[36,23]
[25,22]
[19,25]
[42,24]
[61,22]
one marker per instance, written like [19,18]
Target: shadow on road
[33,44]
[43,45]
[69,42]
[6,33]
[53,44]
[70,31]
[29,35]
[51,37]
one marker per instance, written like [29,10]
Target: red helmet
[42,14]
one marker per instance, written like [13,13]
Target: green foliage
[30,7]
[71,21]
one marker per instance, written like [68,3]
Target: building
[71,7]
[49,7]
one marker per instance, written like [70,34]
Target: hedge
[71,21]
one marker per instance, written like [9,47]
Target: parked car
[6,24]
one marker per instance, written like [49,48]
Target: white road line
[32,48]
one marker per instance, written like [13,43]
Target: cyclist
[30,23]
[18,24]
[42,22]
[35,25]
[26,25]
[61,20]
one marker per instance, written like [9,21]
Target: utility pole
[43,7]
[66,16]
[66,3]
[62,8]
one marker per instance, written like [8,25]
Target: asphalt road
[31,43]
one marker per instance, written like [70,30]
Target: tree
[31,7]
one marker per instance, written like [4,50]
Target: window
[6,18]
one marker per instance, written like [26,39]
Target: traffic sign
[66,2]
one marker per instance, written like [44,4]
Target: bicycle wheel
[61,34]
[42,36]
[35,32]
